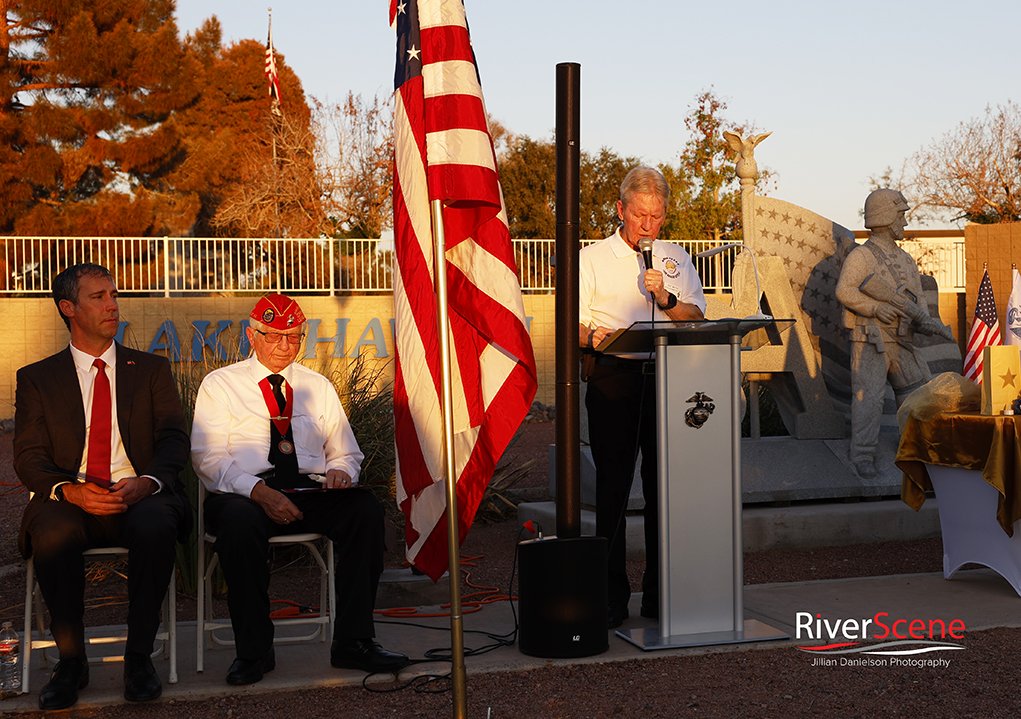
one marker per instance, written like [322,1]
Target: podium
[698,397]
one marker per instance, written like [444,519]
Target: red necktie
[98,465]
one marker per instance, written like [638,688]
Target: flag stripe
[443,151]
[465,110]
[451,77]
[444,43]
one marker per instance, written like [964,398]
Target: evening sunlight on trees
[355,157]
[528,174]
[111,125]
[705,200]
[86,90]
[973,172]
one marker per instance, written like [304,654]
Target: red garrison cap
[278,311]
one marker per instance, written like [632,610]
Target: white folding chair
[207,625]
[167,636]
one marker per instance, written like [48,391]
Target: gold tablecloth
[968,441]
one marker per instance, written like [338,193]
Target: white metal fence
[172,266]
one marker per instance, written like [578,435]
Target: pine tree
[87,94]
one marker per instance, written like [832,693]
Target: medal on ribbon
[281,419]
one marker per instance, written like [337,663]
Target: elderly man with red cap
[263,428]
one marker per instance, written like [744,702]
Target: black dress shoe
[249,671]
[615,615]
[61,691]
[649,612]
[366,655]
[141,682]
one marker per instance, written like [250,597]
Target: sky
[847,89]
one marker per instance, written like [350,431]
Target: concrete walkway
[979,598]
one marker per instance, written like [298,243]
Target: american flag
[443,150]
[271,69]
[985,330]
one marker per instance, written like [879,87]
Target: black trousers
[622,419]
[352,518]
[59,532]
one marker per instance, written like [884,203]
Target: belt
[628,365]
[302,480]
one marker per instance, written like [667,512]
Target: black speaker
[562,597]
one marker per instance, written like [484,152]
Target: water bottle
[10,667]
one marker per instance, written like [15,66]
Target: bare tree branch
[974,171]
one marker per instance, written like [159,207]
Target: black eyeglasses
[275,338]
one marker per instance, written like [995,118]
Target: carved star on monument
[1009,379]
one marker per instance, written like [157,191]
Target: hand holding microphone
[653,278]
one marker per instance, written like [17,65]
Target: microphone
[645,245]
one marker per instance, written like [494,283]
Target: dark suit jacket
[49,424]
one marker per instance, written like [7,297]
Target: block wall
[340,328]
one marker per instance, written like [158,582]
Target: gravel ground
[750,682]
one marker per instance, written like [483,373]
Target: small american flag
[443,151]
[985,330]
[271,69]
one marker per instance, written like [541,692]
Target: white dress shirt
[120,465]
[610,288]
[230,434]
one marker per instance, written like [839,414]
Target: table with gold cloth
[973,463]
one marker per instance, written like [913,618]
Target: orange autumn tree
[87,93]
[111,125]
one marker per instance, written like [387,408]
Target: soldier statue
[881,292]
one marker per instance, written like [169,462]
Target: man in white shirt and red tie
[99,440]
[263,428]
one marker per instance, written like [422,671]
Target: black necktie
[281,447]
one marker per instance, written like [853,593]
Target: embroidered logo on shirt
[670,268]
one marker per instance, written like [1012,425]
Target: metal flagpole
[274,118]
[457,670]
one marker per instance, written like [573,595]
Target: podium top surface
[642,336]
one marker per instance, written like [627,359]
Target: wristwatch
[58,492]
[670,303]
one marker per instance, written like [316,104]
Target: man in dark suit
[100,440]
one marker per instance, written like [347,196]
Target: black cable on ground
[426,683]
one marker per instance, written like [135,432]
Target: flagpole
[274,119]
[457,670]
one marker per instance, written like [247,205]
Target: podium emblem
[696,416]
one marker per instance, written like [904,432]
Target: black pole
[568,439]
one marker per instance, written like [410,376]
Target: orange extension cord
[470,603]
